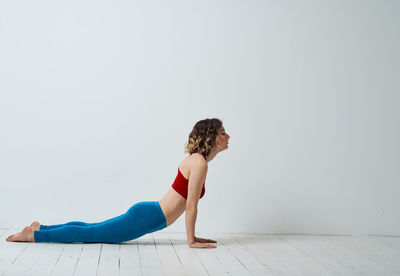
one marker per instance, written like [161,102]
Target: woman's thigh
[142,218]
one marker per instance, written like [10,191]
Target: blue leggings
[140,219]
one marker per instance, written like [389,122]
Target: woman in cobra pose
[206,140]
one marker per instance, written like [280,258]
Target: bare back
[173,204]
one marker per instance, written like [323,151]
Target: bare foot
[35,225]
[27,235]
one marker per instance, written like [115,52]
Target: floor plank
[392,241]
[279,257]
[109,260]
[369,248]
[130,259]
[170,262]
[190,262]
[68,260]
[37,259]
[149,260]
[165,253]
[225,257]
[334,257]
[247,260]
[88,260]
[10,251]
[211,261]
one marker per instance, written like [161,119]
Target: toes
[25,235]
[35,225]
[27,229]
[10,238]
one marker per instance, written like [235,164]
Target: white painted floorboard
[164,253]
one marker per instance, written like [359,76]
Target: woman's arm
[196,179]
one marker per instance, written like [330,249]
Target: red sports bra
[180,185]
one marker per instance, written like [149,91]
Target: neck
[211,156]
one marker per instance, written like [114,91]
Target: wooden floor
[163,253]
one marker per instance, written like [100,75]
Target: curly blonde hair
[203,136]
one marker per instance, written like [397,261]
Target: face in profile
[222,139]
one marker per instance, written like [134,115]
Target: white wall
[97,99]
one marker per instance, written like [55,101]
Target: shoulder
[196,160]
[193,162]
[197,164]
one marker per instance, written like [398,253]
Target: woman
[207,139]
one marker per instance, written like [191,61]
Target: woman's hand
[196,239]
[200,245]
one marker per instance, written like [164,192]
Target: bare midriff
[172,205]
